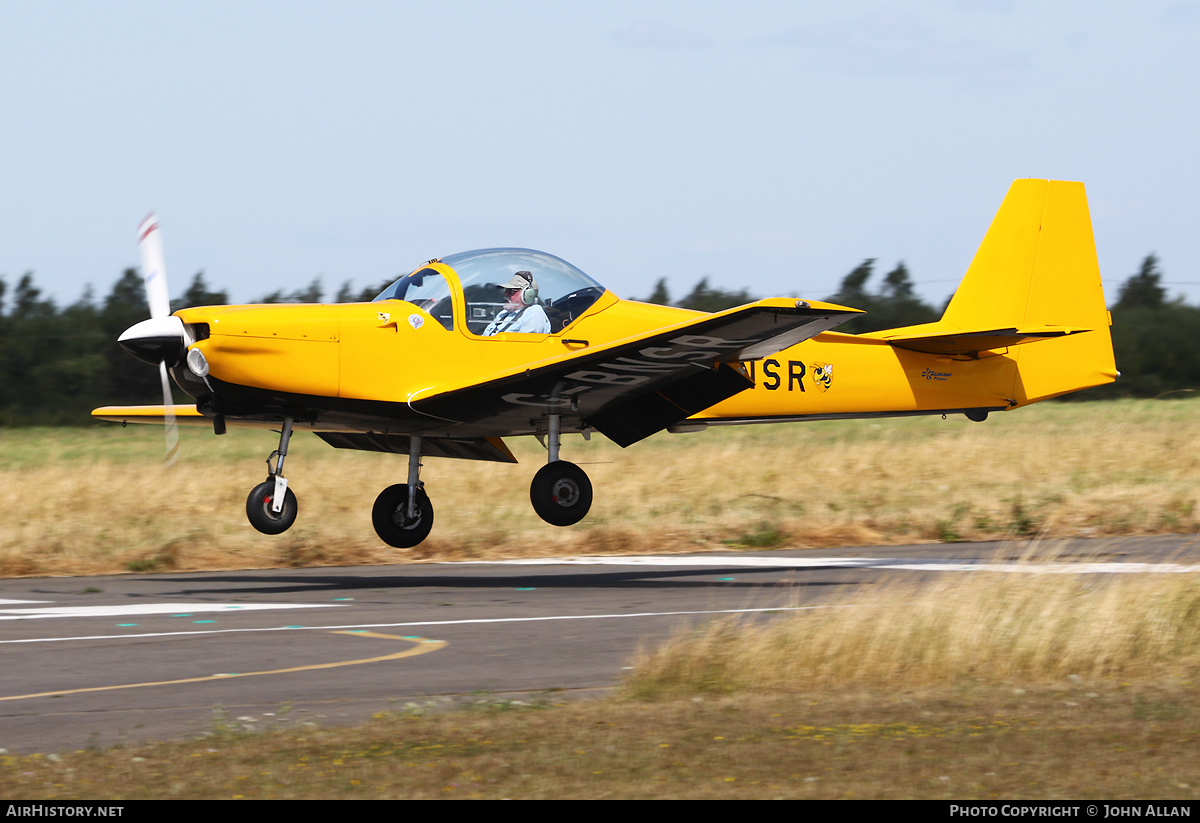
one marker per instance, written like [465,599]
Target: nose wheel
[260,509]
[271,507]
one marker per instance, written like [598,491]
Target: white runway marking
[421,623]
[4,602]
[152,608]
[1048,568]
[901,563]
[746,561]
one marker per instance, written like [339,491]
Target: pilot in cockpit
[521,312]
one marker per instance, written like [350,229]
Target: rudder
[1037,268]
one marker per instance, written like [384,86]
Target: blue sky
[767,145]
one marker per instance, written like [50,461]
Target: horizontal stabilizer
[971,343]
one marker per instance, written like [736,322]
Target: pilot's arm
[496,323]
[530,320]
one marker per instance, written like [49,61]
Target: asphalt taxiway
[97,660]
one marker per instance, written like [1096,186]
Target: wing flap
[625,423]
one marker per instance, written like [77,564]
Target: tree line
[58,363]
[893,304]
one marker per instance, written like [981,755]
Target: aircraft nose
[159,339]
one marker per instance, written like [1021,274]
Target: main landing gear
[561,493]
[271,506]
[402,514]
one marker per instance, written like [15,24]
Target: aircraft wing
[631,388]
[189,416]
[340,436]
[184,415]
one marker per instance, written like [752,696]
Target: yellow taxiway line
[422,646]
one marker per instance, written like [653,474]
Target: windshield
[563,291]
[426,289]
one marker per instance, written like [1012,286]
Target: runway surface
[98,660]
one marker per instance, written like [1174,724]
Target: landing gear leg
[402,514]
[561,493]
[271,506]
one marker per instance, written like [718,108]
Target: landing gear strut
[402,514]
[561,493]
[271,506]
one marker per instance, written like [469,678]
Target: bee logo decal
[822,376]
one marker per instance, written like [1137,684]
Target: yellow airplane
[478,346]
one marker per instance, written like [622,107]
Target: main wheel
[262,514]
[561,493]
[391,521]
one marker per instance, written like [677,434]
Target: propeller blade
[154,269]
[154,275]
[172,430]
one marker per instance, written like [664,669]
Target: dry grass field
[996,628]
[98,500]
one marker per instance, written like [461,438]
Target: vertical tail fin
[1034,273]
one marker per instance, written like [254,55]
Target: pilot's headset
[524,281]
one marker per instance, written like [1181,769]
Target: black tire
[561,493]
[390,517]
[260,513]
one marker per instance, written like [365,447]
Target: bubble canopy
[563,290]
[554,275]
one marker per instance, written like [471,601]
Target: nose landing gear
[561,493]
[271,506]
[260,509]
